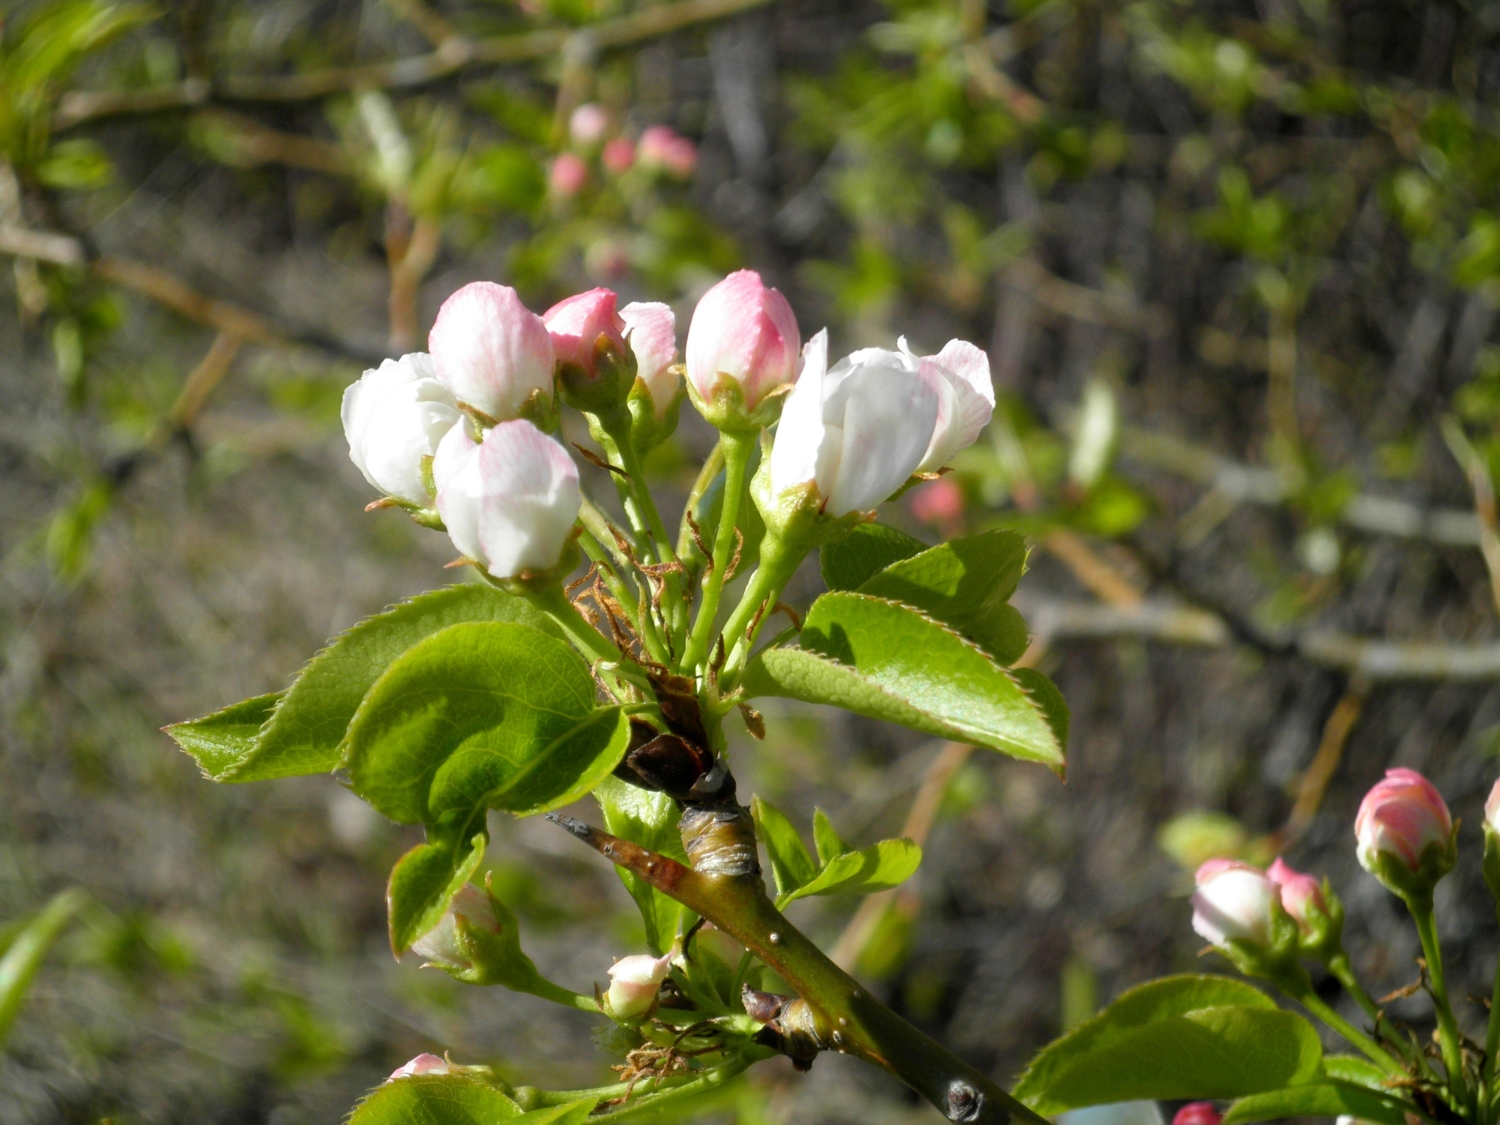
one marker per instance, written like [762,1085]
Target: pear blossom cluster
[660,150]
[465,433]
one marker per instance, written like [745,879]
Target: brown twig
[411,247]
[1097,575]
[452,57]
[1314,781]
[1477,469]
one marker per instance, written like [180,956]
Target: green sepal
[606,389]
[424,881]
[1416,885]
[725,409]
[647,430]
[496,957]
[1492,861]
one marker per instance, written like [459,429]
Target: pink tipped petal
[1401,816]
[743,330]
[966,370]
[577,322]
[1300,894]
[651,330]
[490,350]
[422,1064]
[1492,808]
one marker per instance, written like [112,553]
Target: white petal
[651,329]
[888,413]
[800,434]
[530,499]
[967,370]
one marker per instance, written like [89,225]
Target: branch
[846,1018]
[454,56]
[1246,484]
[1059,621]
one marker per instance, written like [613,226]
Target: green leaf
[307,729]
[888,661]
[648,819]
[456,1099]
[1321,1099]
[425,880]
[876,868]
[1353,1068]
[851,561]
[482,715]
[27,947]
[220,741]
[1180,1037]
[791,863]
[964,583]
[1045,695]
[826,839]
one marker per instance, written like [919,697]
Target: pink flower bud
[576,324]
[634,983]
[509,503]
[663,149]
[855,431]
[967,410]
[1492,808]
[394,416]
[1301,895]
[490,350]
[422,1064]
[1400,818]
[940,502]
[1234,902]
[651,328]
[588,124]
[618,156]
[1197,1113]
[568,175]
[440,944]
[746,332]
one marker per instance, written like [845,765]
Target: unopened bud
[1233,902]
[492,352]
[588,124]
[1405,834]
[422,1064]
[588,339]
[1312,904]
[568,175]
[742,346]
[1492,841]
[394,416]
[634,983]
[618,156]
[1197,1113]
[441,944]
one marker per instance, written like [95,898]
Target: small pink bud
[422,1064]
[654,146]
[490,350]
[652,332]
[634,983]
[1401,817]
[576,324]
[588,124]
[939,502]
[1197,1113]
[509,503]
[745,331]
[569,174]
[1234,901]
[440,944]
[618,156]
[1300,894]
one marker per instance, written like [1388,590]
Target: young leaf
[425,880]
[876,868]
[888,661]
[435,1099]
[648,819]
[791,863]
[964,583]
[849,562]
[220,741]
[306,730]
[1179,1037]
[1322,1099]
[482,715]
[23,959]
[826,839]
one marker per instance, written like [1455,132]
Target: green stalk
[711,466]
[550,599]
[778,562]
[650,1093]
[845,1017]
[738,449]
[1421,912]
[1300,989]
[1492,1032]
[597,524]
[638,607]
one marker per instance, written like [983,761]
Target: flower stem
[1422,914]
[1492,1033]
[778,562]
[738,449]
[846,1018]
[1301,990]
[550,599]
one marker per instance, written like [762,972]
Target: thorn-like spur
[662,872]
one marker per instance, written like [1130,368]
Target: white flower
[1234,901]
[440,944]
[856,430]
[651,331]
[509,503]
[490,350]
[967,410]
[394,416]
[634,983]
